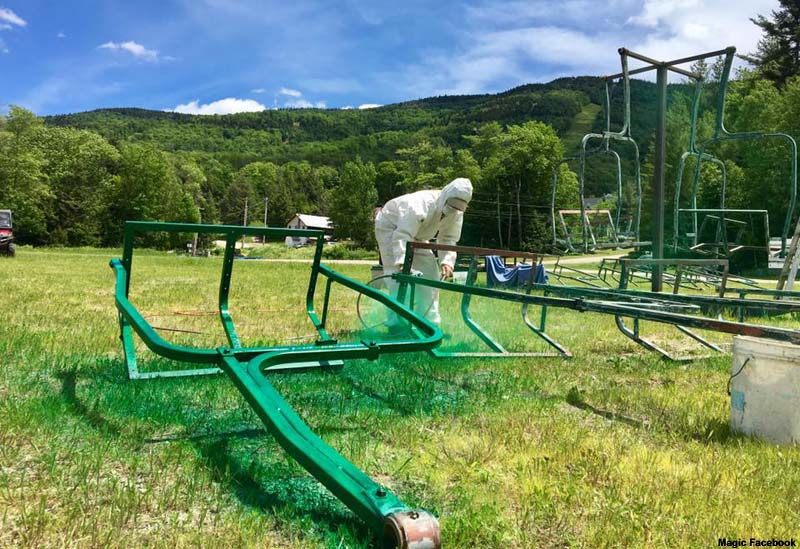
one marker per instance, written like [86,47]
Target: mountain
[571,106]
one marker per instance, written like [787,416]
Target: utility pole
[245,221]
[266,208]
[194,238]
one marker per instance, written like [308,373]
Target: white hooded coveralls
[419,217]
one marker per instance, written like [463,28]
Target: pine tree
[778,54]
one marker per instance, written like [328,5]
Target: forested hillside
[73,179]
[334,137]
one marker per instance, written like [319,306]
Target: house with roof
[306,221]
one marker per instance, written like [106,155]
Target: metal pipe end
[414,529]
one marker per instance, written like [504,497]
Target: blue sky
[218,56]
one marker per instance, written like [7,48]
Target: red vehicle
[7,245]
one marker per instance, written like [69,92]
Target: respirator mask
[453,205]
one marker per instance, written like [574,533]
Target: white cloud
[303,104]
[61,35]
[290,92]
[656,11]
[10,17]
[229,105]
[506,44]
[5,26]
[259,90]
[296,100]
[708,25]
[134,48]
[499,59]
[369,106]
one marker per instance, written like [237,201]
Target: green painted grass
[611,448]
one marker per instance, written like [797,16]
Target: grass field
[611,448]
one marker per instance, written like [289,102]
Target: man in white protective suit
[419,217]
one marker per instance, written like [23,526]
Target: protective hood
[421,216]
[460,188]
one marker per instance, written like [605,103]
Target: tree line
[72,187]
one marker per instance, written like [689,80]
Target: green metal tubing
[312,286]
[408,260]
[721,134]
[632,311]
[693,198]
[724,326]
[787,224]
[719,122]
[368,500]
[133,227]
[692,151]
[224,290]
[143,329]
[488,292]
[326,301]
[407,284]
[706,303]
[764,291]
[606,136]
[246,367]
[582,186]
[540,329]
[432,333]
[659,171]
[662,72]
[581,180]
[476,328]
[637,176]
[132,321]
[651,346]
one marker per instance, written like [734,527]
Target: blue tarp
[498,274]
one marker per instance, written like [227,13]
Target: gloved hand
[415,272]
[447,272]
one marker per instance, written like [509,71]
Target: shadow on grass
[240,434]
[391,403]
[709,431]
[256,483]
[90,415]
[574,398]
[300,496]
[714,431]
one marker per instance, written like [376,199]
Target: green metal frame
[719,266]
[622,303]
[391,520]
[721,134]
[708,305]
[647,306]
[562,272]
[629,265]
[662,69]
[496,348]
[632,238]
